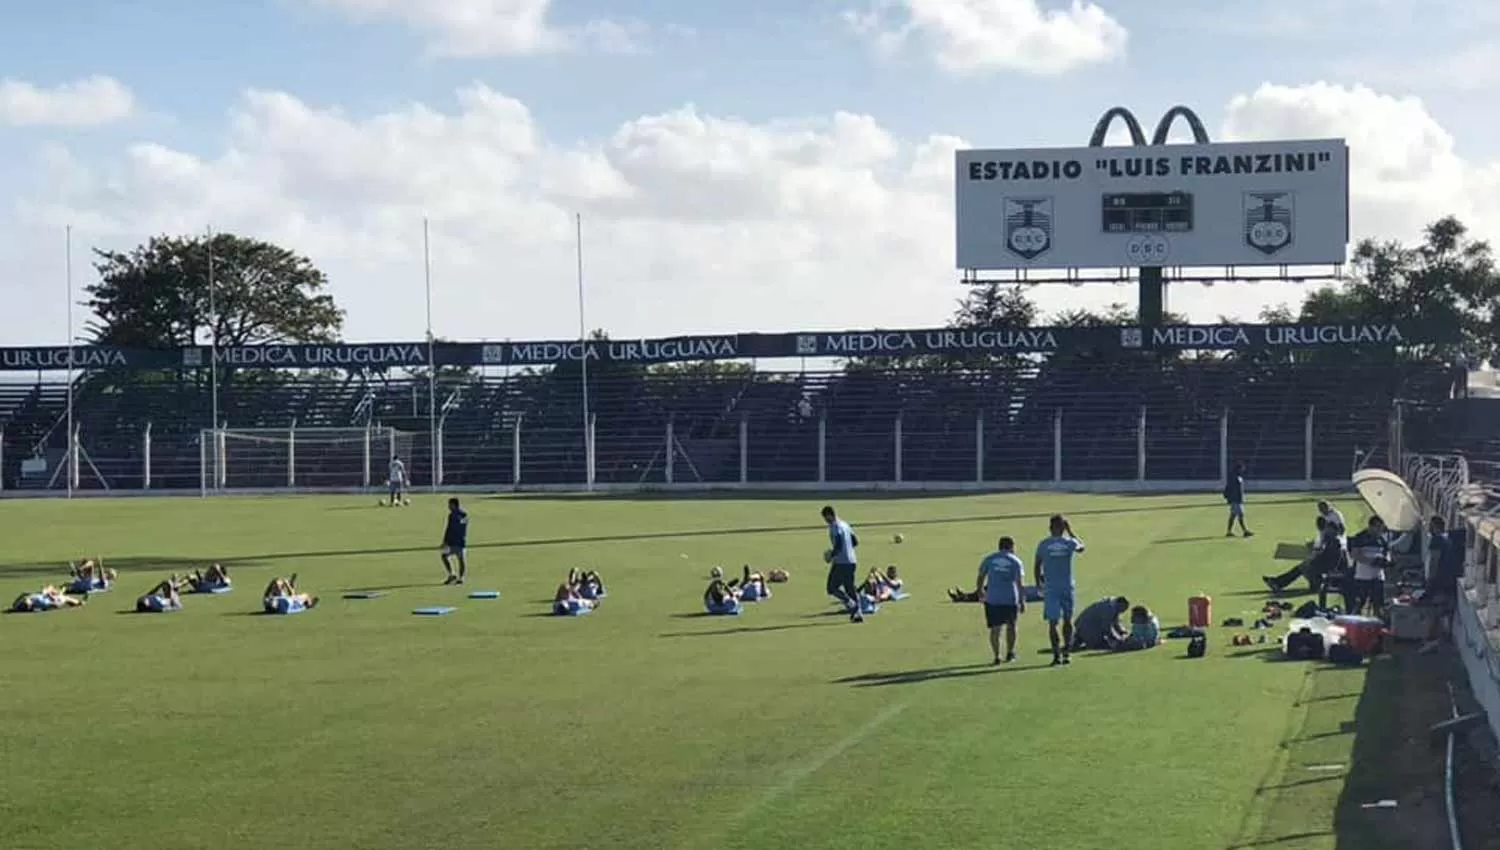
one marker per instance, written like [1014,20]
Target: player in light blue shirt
[842,563]
[1001,574]
[1054,572]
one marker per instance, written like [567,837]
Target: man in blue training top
[456,542]
[1054,572]
[1234,494]
[842,563]
[1000,586]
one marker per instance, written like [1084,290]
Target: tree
[158,295]
[989,305]
[1447,287]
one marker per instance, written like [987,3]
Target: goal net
[300,458]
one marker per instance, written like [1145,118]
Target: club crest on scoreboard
[1270,225]
[1028,226]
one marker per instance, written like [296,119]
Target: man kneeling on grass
[1098,626]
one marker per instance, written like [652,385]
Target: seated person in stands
[49,598]
[286,588]
[90,575]
[1098,626]
[721,593]
[1325,556]
[958,594]
[163,597]
[202,581]
[1145,630]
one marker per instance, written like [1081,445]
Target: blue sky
[754,76]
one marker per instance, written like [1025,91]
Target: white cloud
[970,37]
[692,222]
[485,28]
[1468,69]
[1405,170]
[82,103]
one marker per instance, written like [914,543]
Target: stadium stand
[1013,411]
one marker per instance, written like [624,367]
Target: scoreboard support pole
[1152,298]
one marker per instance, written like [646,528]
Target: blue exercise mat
[364,594]
[563,610]
[218,588]
[435,611]
[485,594]
[899,595]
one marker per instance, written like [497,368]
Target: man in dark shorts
[842,563]
[1001,574]
[456,543]
[1445,567]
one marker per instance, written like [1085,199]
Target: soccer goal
[299,458]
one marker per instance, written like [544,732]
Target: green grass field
[645,725]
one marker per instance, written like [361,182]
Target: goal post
[306,459]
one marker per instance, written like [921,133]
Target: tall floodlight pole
[72,451]
[583,360]
[432,438]
[213,361]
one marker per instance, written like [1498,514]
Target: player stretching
[1054,572]
[842,564]
[455,542]
[396,480]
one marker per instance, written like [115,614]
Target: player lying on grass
[164,597]
[213,578]
[569,598]
[49,598]
[90,576]
[881,586]
[586,583]
[1098,626]
[721,593]
[1145,630]
[286,588]
[754,579]
[958,594]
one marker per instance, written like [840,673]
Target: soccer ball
[406,503]
[899,539]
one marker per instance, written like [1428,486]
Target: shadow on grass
[740,630]
[833,493]
[913,677]
[382,588]
[1366,752]
[170,564]
[142,564]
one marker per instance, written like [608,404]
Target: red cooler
[1365,634]
[1200,612]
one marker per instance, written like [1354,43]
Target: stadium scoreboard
[1148,212]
